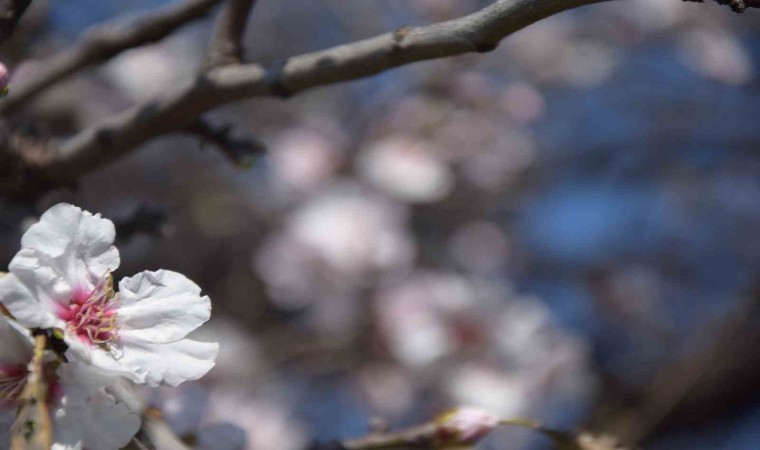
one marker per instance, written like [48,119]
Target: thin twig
[104,42]
[226,47]
[240,151]
[33,428]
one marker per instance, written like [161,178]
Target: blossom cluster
[60,284]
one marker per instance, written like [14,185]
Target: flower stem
[33,428]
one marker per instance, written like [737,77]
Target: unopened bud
[463,426]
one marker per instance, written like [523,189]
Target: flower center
[12,380]
[92,315]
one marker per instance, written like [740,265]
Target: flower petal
[97,422]
[31,293]
[97,357]
[157,364]
[80,380]
[160,307]
[87,417]
[78,244]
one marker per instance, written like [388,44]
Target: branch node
[274,81]
[401,33]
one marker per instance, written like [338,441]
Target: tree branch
[736,5]
[226,46]
[101,144]
[104,42]
[10,13]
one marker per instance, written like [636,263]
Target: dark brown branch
[736,5]
[226,46]
[10,13]
[104,42]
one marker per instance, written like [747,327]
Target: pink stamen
[12,380]
[92,315]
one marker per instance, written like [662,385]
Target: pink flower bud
[463,426]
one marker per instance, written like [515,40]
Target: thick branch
[226,46]
[104,42]
[101,144]
[10,13]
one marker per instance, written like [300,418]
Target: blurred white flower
[718,55]
[303,158]
[61,280]
[149,71]
[423,318]
[507,394]
[406,168]
[352,231]
[329,249]
[649,16]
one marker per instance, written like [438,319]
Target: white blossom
[61,280]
